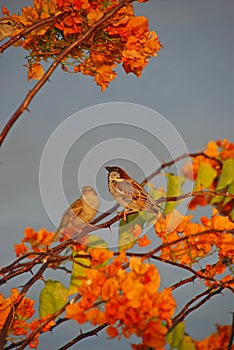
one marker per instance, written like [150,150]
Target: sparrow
[129,193]
[80,212]
[7,27]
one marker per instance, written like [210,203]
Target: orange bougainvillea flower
[143,241]
[5,306]
[104,75]
[20,249]
[35,71]
[22,314]
[184,242]
[123,38]
[112,331]
[154,335]
[218,340]
[37,240]
[212,149]
[96,316]
[100,255]
[128,299]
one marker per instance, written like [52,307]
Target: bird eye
[9,23]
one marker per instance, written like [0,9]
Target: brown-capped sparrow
[7,27]
[81,212]
[129,193]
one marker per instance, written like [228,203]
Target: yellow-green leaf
[186,344]
[227,175]
[96,242]
[230,189]
[174,188]
[52,297]
[78,271]
[175,336]
[205,177]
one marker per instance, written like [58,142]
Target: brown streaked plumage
[129,193]
[81,212]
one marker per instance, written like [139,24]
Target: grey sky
[190,83]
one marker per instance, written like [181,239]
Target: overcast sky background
[190,83]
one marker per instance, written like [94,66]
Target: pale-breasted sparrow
[81,212]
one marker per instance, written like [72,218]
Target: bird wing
[132,191]
[73,211]
[70,213]
[125,190]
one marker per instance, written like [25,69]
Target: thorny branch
[84,335]
[187,310]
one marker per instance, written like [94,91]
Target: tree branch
[186,310]
[81,336]
[50,70]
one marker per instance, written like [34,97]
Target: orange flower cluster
[122,38]
[125,295]
[220,151]
[218,340]
[188,251]
[38,241]
[19,326]
[25,311]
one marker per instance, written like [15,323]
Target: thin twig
[195,194]
[173,161]
[83,336]
[186,310]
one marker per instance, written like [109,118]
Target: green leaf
[217,199]
[96,242]
[175,336]
[231,215]
[52,297]
[227,175]
[205,177]
[78,271]
[230,189]
[174,188]
[186,344]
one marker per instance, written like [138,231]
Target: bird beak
[108,168]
